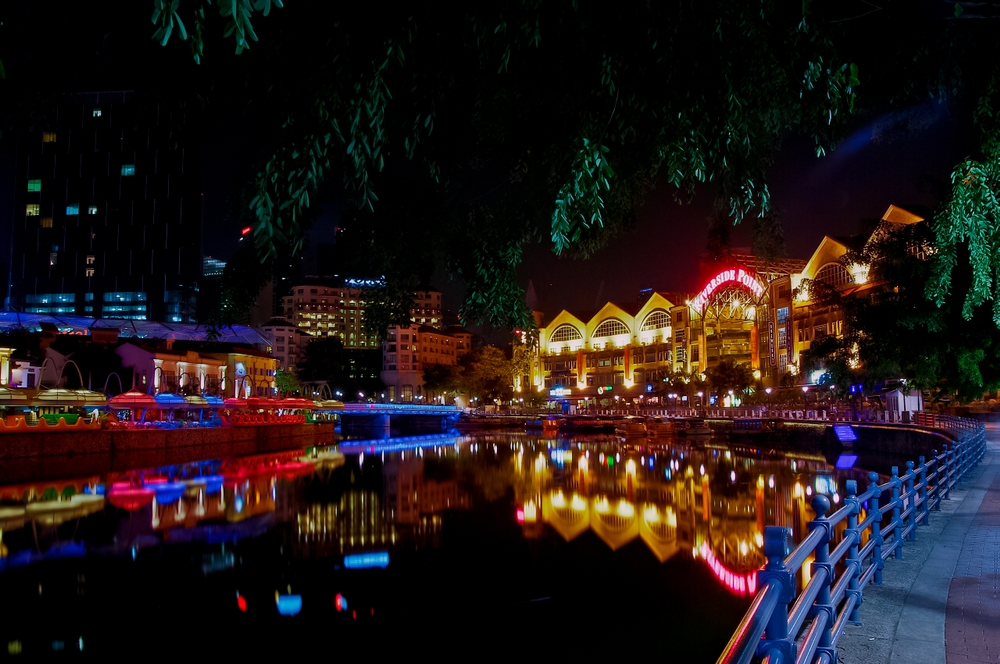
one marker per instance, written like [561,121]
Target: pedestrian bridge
[379,416]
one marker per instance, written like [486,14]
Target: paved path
[972,625]
[940,602]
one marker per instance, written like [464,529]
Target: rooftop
[140,329]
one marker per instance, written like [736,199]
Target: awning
[64,397]
[131,400]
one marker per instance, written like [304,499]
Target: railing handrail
[810,630]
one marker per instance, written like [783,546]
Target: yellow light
[601,505]
[760,481]
[759,539]
[584,464]
[558,500]
[671,517]
[797,490]
[626,509]
[578,504]
[651,514]
[744,549]
[630,467]
[530,511]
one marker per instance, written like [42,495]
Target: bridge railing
[784,624]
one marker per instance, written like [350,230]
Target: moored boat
[692,426]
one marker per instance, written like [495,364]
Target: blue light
[238,504]
[289,605]
[846,461]
[367,560]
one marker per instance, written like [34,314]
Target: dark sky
[874,167]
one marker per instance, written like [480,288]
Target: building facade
[749,312]
[410,350]
[108,210]
[326,311]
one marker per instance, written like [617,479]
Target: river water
[506,541]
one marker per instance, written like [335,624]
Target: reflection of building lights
[651,514]
[601,506]
[797,490]
[809,491]
[584,464]
[626,510]
[770,482]
[671,517]
[578,504]
[558,500]
[732,476]
[540,463]
[701,469]
[836,498]
[760,481]
[744,549]
[630,467]
[759,539]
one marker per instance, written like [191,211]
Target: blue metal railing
[784,625]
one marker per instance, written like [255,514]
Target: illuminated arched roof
[566,332]
[834,274]
[655,320]
[610,327]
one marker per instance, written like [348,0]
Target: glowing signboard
[738,276]
[560,392]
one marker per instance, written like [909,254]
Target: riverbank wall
[48,455]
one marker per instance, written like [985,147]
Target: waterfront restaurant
[749,311]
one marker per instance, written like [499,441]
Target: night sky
[873,168]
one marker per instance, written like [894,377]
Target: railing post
[911,501]
[937,480]
[776,636]
[897,530]
[876,536]
[821,505]
[949,470]
[853,565]
[924,507]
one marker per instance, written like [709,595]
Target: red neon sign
[739,276]
[739,583]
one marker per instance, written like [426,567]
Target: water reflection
[527,506]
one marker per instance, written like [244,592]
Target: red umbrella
[296,403]
[131,400]
[130,499]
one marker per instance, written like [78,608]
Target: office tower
[108,209]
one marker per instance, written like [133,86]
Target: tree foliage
[729,375]
[893,331]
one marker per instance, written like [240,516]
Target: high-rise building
[330,311]
[108,210]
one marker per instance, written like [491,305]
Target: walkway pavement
[941,602]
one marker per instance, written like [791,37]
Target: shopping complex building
[749,311]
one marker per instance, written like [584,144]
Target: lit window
[34,185]
[46,222]
[92,209]
[32,209]
[97,112]
[89,272]
[49,137]
[73,209]
[128,169]
[90,261]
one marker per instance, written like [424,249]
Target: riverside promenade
[941,601]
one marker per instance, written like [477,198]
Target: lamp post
[767,391]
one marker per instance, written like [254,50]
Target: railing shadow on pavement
[785,625]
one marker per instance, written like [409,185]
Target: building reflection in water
[711,503]
[707,502]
